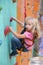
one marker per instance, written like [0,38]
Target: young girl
[32,31]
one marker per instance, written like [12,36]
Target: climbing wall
[24,58]
[20,13]
[4,20]
[26,8]
[32,7]
[8,10]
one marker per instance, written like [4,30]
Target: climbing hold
[0,42]
[0,8]
[6,31]
[13,1]
[11,19]
[16,63]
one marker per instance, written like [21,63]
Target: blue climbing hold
[0,42]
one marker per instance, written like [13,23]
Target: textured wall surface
[8,10]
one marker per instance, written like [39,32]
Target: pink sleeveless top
[28,43]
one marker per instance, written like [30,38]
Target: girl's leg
[15,44]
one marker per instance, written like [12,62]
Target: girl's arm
[19,22]
[16,34]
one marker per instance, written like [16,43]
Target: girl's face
[29,25]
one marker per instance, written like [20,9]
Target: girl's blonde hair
[36,26]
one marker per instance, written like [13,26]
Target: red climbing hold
[11,19]
[6,31]
[16,63]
